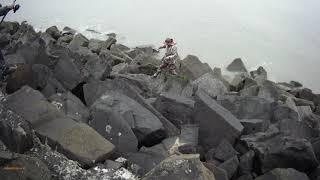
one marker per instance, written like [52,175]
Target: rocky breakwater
[88,109]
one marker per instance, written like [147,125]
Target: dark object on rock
[184,167]
[215,122]
[68,31]
[283,174]
[237,66]
[260,74]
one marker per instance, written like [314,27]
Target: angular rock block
[215,122]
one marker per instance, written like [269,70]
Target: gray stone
[224,151]
[112,126]
[177,109]
[237,66]
[141,120]
[94,90]
[78,41]
[68,31]
[245,177]
[252,126]
[65,40]
[146,160]
[32,106]
[15,131]
[71,106]
[297,129]
[230,166]
[193,68]
[99,66]
[25,168]
[250,91]
[246,163]
[53,86]
[95,45]
[269,90]
[260,74]
[284,111]
[219,174]
[66,71]
[112,164]
[183,167]
[78,141]
[283,174]
[247,107]
[54,32]
[274,150]
[215,122]
[210,85]
[303,102]
[296,84]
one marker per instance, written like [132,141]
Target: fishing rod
[14,10]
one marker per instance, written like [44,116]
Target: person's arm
[5,9]
[162,47]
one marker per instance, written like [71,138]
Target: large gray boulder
[15,131]
[247,107]
[99,67]
[193,68]
[143,122]
[215,122]
[183,167]
[223,152]
[275,150]
[54,32]
[177,109]
[95,89]
[112,126]
[252,126]
[283,174]
[230,166]
[77,141]
[71,106]
[78,41]
[219,174]
[237,66]
[63,168]
[66,71]
[211,85]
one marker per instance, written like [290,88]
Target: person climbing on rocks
[169,60]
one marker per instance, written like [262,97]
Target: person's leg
[161,67]
[173,69]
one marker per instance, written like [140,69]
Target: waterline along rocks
[88,109]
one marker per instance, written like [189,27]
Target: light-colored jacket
[171,53]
